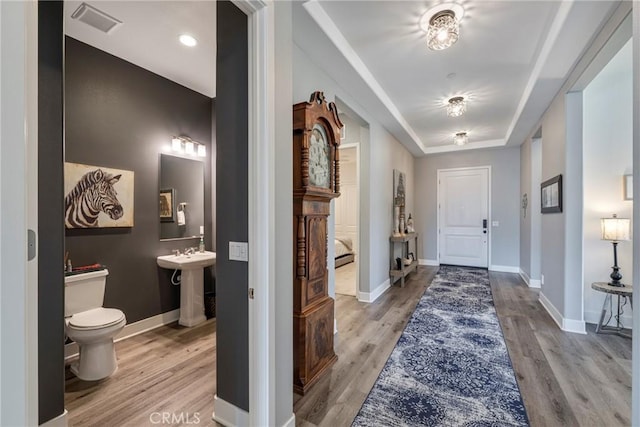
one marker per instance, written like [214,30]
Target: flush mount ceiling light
[188,40]
[460,138]
[442,25]
[456,106]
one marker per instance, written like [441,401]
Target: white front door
[463,216]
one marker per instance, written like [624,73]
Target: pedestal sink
[191,283]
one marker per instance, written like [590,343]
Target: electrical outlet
[542,279]
[495,223]
[239,251]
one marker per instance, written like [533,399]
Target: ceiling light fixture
[443,30]
[442,25]
[460,138]
[456,106]
[188,40]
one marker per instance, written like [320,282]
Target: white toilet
[90,325]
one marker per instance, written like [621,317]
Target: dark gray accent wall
[232,205]
[121,116]
[50,212]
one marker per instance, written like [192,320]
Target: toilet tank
[84,291]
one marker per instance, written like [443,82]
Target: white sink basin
[187,262]
[191,283]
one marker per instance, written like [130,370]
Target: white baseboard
[229,415]
[532,283]
[131,330]
[504,268]
[567,325]
[431,262]
[372,296]
[59,421]
[594,317]
[291,422]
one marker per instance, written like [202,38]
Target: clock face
[319,157]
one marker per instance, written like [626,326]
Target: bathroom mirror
[181,197]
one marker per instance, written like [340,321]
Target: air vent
[95,18]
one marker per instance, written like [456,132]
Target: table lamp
[615,230]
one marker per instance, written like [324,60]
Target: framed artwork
[97,197]
[627,187]
[167,205]
[551,198]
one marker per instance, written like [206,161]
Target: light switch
[495,223]
[239,251]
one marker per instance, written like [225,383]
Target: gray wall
[525,220]
[50,213]
[121,116]
[232,210]
[505,199]
[552,242]
[283,297]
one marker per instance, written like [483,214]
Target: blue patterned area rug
[450,367]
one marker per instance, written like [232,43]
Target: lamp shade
[615,229]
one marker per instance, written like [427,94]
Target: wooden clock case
[313,308]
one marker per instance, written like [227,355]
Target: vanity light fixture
[185,145]
[456,106]
[442,25]
[188,147]
[460,138]
[176,144]
[188,40]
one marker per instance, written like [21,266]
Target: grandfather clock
[316,136]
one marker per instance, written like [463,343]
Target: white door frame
[356,145]
[438,195]
[262,260]
[18,200]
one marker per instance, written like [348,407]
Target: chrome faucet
[189,251]
[176,252]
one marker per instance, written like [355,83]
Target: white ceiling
[511,59]
[149,35]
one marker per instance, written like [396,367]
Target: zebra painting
[93,201]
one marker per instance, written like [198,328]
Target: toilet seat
[96,318]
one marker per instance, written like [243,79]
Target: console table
[625,292]
[394,272]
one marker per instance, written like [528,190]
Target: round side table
[625,291]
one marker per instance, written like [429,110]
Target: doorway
[347,209]
[463,216]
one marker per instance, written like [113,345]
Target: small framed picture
[551,197]
[627,187]
[167,205]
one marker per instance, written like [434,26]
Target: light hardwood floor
[167,370]
[566,379]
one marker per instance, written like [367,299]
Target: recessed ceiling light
[188,40]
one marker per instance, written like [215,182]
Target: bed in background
[344,250]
